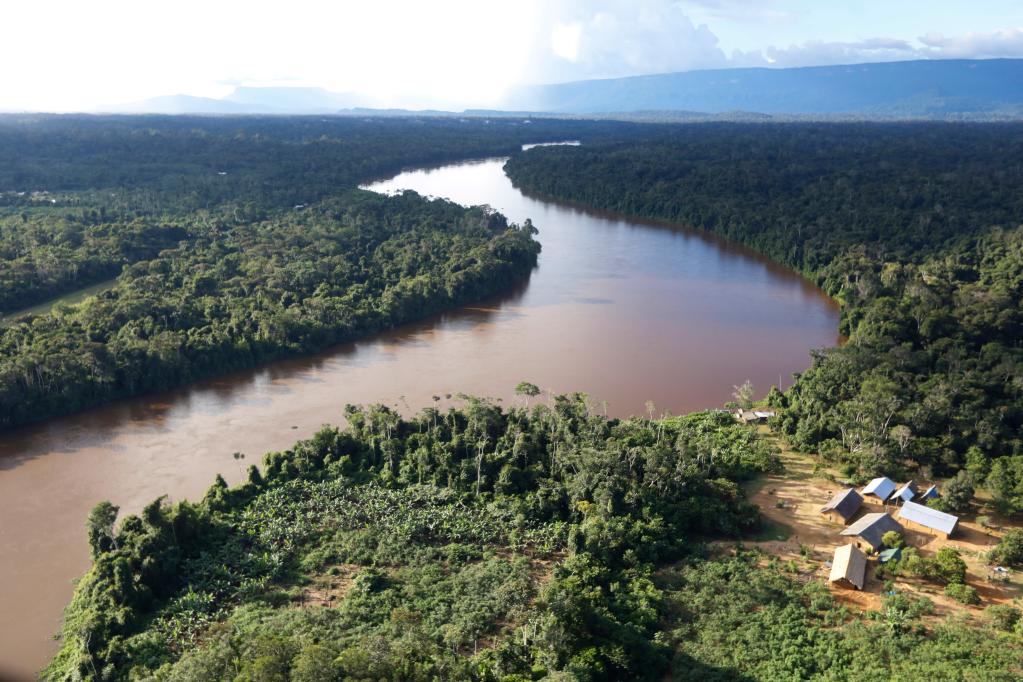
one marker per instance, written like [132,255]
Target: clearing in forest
[796,532]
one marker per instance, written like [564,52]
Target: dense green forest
[243,291]
[235,241]
[914,228]
[538,542]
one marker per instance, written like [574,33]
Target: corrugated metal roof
[931,518]
[872,527]
[930,493]
[849,564]
[891,554]
[882,487]
[846,503]
[905,493]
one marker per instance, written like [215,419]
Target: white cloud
[577,39]
[1008,43]
[565,40]
[69,54]
[743,11]
[817,53]
[580,39]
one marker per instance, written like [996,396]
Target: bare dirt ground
[796,532]
[328,589]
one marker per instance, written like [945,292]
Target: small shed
[881,488]
[929,494]
[919,517]
[904,494]
[753,416]
[849,567]
[843,506]
[872,527]
[890,554]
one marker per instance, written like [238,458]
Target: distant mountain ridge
[925,88]
[961,88]
[246,100]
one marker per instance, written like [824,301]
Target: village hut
[849,567]
[904,494]
[919,517]
[872,527]
[843,506]
[881,488]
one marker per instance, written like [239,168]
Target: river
[626,311]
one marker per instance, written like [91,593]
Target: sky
[77,55]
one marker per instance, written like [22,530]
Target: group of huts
[849,566]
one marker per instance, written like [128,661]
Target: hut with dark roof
[872,527]
[843,506]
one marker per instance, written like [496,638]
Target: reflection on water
[623,310]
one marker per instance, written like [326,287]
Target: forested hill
[236,241]
[914,89]
[914,228]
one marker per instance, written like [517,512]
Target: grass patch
[70,298]
[771,531]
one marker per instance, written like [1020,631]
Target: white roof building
[904,494]
[881,488]
[914,514]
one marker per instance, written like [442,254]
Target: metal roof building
[843,505]
[918,516]
[752,416]
[881,488]
[904,494]
[849,567]
[930,494]
[872,527]
[891,554]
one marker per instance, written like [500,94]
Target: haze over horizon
[456,54]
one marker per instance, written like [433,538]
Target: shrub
[962,593]
[1009,550]
[893,539]
[908,607]
[1003,616]
[949,566]
[958,493]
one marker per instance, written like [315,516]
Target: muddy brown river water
[625,311]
